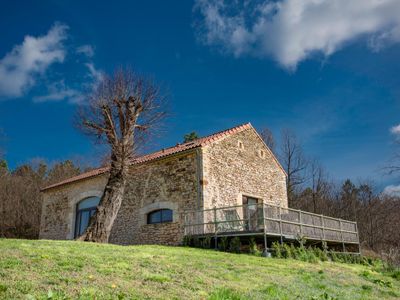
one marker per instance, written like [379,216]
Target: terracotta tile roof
[159,154]
[91,173]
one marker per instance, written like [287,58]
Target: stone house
[227,168]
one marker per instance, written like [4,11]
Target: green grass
[77,270]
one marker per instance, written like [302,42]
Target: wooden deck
[272,223]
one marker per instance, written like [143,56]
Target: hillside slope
[67,269]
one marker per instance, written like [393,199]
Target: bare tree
[121,111]
[293,161]
[268,138]
[62,170]
[319,185]
[366,217]
[393,165]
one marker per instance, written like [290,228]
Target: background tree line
[20,198]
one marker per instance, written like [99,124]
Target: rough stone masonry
[218,170]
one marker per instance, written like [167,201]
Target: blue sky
[329,72]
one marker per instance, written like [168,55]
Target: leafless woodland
[20,198]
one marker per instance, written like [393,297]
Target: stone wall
[169,183]
[160,234]
[240,164]
[59,207]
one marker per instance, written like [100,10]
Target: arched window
[159,216]
[84,210]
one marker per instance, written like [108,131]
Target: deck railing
[270,220]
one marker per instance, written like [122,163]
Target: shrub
[311,255]
[196,242]
[366,261]
[314,254]
[187,240]
[348,258]
[234,245]
[287,253]
[253,247]
[277,250]
[223,244]
[396,275]
[294,251]
[206,242]
[299,253]
[320,254]
[333,256]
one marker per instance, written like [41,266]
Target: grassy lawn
[67,269]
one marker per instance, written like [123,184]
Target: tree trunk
[101,223]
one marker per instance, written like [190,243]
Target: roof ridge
[230,131]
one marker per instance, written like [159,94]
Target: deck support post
[280,223]
[215,229]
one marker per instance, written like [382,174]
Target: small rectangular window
[159,216]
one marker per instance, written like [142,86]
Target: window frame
[162,219]
[79,212]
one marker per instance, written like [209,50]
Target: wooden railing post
[215,229]
[301,224]
[323,227]
[248,216]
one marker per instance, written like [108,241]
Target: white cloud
[291,31]
[395,129]
[59,91]
[19,68]
[87,50]
[96,74]
[392,190]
